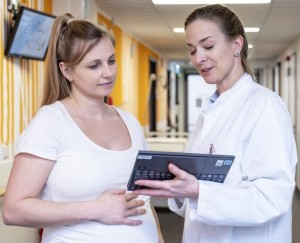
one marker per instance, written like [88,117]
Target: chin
[209,80]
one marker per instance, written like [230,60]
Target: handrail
[166,134]
[2,192]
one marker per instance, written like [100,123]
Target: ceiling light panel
[211,1]
[247,29]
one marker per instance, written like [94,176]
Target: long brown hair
[70,41]
[228,22]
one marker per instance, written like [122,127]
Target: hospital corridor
[110,107]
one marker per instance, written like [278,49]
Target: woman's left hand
[184,185]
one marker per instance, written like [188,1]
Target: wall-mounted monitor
[29,37]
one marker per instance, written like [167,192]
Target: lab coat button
[245,178]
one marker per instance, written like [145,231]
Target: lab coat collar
[243,82]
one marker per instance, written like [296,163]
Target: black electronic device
[153,165]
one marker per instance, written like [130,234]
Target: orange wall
[117,92]
[144,86]
[143,55]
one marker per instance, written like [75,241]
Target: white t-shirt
[82,171]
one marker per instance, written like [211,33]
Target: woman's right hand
[116,206]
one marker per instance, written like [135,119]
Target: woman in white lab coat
[242,118]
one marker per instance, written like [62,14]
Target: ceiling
[279,24]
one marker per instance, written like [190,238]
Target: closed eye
[95,66]
[111,61]
[209,47]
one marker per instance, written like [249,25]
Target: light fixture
[247,29]
[251,29]
[178,30]
[13,6]
[250,46]
[210,1]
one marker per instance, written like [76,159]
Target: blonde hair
[228,22]
[70,41]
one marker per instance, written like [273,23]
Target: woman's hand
[115,206]
[184,185]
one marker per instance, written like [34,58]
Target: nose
[199,56]
[106,70]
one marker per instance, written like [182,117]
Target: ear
[66,71]
[238,44]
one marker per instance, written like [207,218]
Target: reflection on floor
[172,224]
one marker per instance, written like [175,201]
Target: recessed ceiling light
[250,46]
[210,1]
[178,30]
[247,29]
[251,29]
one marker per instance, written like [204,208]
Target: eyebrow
[200,41]
[100,60]
[113,55]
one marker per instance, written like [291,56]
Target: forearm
[274,200]
[31,212]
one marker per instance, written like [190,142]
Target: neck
[86,107]
[227,84]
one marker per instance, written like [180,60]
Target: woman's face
[212,54]
[95,75]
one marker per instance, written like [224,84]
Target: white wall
[81,9]
[291,91]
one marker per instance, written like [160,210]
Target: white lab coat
[254,203]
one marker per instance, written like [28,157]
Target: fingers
[154,193]
[129,213]
[151,183]
[130,196]
[135,212]
[132,222]
[183,185]
[118,191]
[117,207]
[180,174]
[133,206]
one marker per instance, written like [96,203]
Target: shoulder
[54,108]
[49,117]
[50,113]
[126,116]
[266,103]
[258,94]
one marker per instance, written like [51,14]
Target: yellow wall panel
[48,6]
[20,85]
[117,92]
[145,55]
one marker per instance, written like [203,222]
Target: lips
[203,70]
[108,83]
